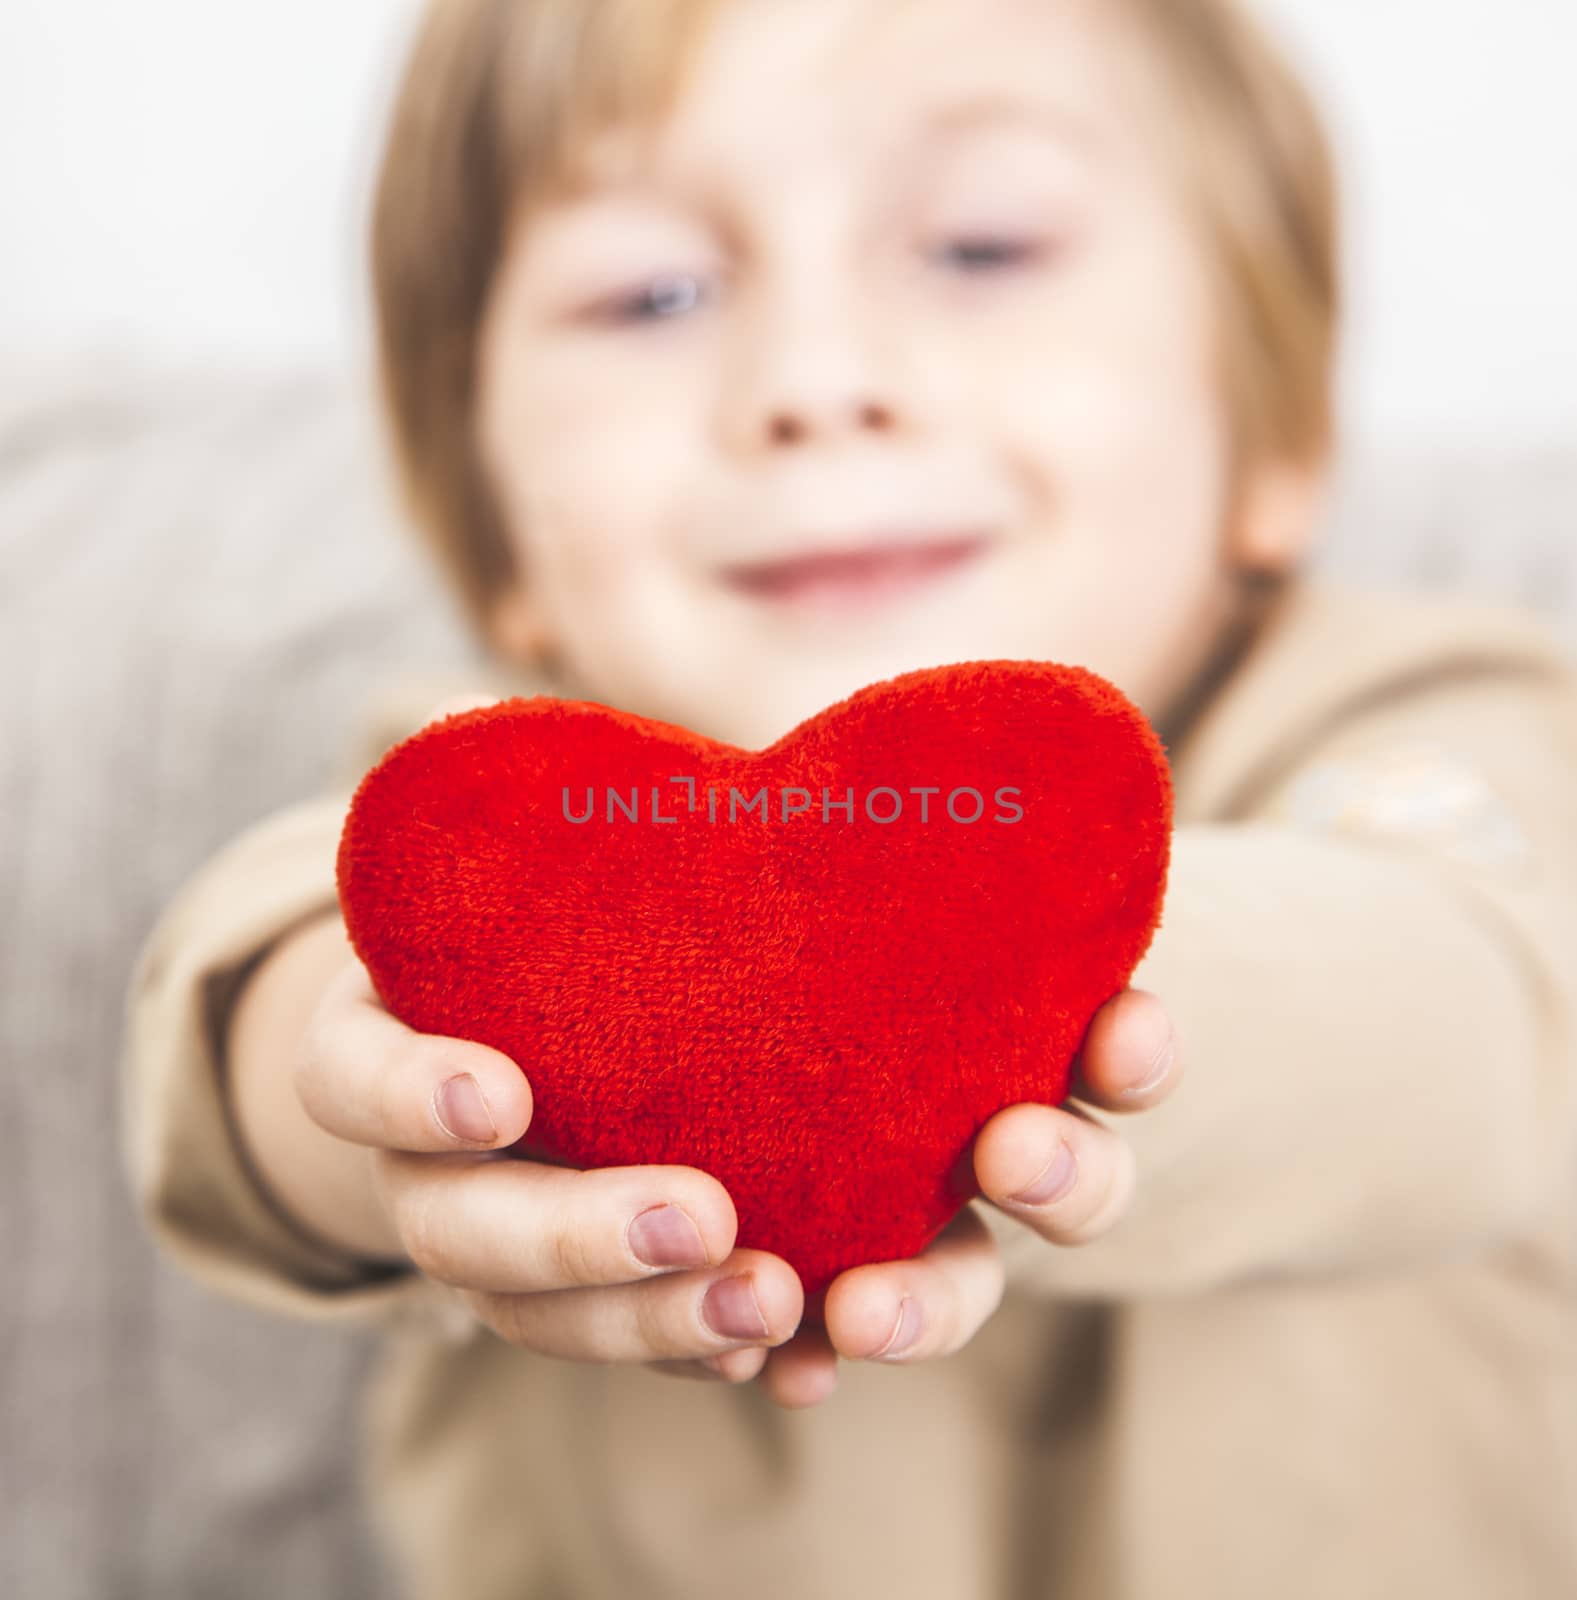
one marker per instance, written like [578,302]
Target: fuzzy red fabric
[817,981]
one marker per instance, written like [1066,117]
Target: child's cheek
[1090,423]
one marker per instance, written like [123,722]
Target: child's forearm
[324,1184]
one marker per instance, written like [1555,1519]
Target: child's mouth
[853,579]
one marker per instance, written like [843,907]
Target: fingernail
[730,1309]
[665,1236]
[1053,1182]
[908,1327]
[1160,1064]
[463,1112]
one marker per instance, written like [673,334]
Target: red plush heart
[814,970]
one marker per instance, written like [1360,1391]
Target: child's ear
[1277,515]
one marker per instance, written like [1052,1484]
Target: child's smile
[859,575]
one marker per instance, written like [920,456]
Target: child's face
[840,303]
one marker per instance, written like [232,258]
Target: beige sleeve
[200,1199]
[1373,978]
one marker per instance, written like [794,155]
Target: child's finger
[673,1317]
[728,1366]
[1129,1058]
[1056,1169]
[367,1078]
[802,1372]
[739,1366]
[514,1226]
[929,1305]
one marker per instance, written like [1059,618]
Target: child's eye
[661,299]
[973,254]
[671,295]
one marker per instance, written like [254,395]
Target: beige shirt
[1331,1350]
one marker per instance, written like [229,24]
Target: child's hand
[570,1263]
[548,1256]
[1128,1062]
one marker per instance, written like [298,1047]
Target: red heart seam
[815,1004]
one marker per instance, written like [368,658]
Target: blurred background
[203,581]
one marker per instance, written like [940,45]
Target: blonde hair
[499,98]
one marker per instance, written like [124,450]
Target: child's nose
[815,365]
[787,426]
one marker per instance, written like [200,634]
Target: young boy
[742,354]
